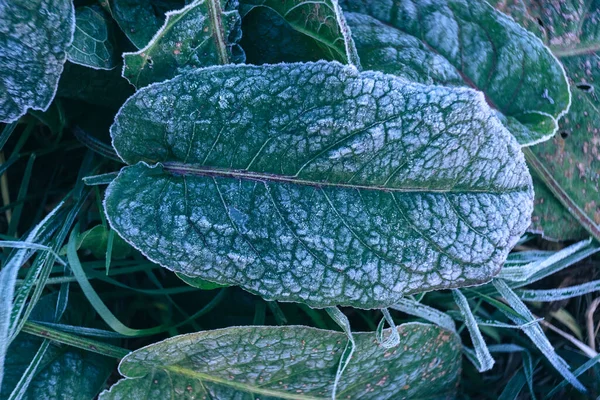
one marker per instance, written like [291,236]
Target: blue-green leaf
[316,183]
[291,362]
[34,38]
[465,43]
[202,34]
[93,40]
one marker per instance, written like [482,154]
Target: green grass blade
[341,319]
[485,361]
[412,307]
[535,333]
[93,297]
[75,341]
[19,390]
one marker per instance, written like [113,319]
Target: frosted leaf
[571,158]
[34,37]
[465,43]
[296,30]
[93,40]
[295,362]
[199,35]
[319,184]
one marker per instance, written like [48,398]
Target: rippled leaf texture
[140,19]
[296,30]
[291,363]
[93,40]
[572,30]
[34,38]
[202,34]
[319,184]
[465,43]
[64,373]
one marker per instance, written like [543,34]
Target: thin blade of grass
[535,333]
[485,361]
[559,294]
[341,319]
[412,307]
[93,297]
[16,212]
[8,277]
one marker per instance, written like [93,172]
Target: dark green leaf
[99,87]
[465,43]
[64,373]
[34,38]
[95,240]
[319,184]
[296,30]
[200,35]
[572,158]
[140,19]
[93,40]
[292,362]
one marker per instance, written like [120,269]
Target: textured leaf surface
[34,38]
[296,30]
[572,30]
[202,34]
[317,183]
[64,373]
[291,363]
[140,19]
[459,42]
[92,43]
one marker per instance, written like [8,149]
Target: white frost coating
[32,53]
[474,45]
[356,193]
[190,37]
[288,362]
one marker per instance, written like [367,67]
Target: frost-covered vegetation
[293,199]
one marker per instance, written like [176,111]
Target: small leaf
[572,157]
[291,363]
[465,43]
[95,240]
[316,183]
[93,42]
[34,38]
[140,19]
[199,35]
[296,30]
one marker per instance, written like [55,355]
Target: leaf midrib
[237,385]
[177,168]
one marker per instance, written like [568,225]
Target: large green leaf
[465,43]
[291,362]
[140,19]
[34,38]
[64,372]
[571,158]
[319,184]
[93,40]
[202,34]
[296,30]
